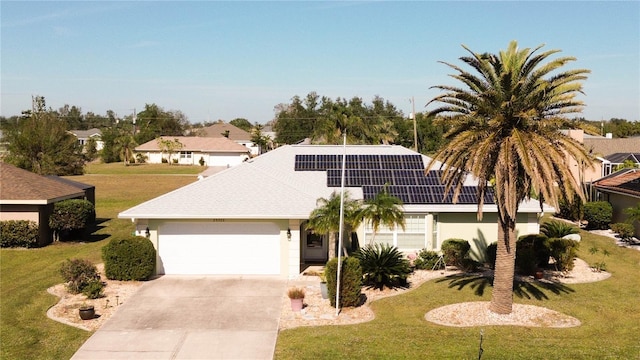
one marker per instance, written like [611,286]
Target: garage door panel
[220,248]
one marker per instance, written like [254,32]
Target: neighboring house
[585,173]
[622,190]
[84,136]
[218,152]
[251,219]
[617,159]
[607,145]
[28,196]
[222,129]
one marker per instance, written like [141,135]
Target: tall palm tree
[382,209]
[325,219]
[504,129]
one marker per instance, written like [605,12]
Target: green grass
[608,311]
[25,330]
[120,169]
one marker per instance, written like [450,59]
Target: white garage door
[220,248]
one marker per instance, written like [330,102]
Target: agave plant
[557,229]
[383,265]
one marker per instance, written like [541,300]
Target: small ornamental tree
[71,215]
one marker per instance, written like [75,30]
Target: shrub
[201,161]
[18,233]
[557,229]
[539,246]
[383,265]
[93,289]
[563,252]
[141,158]
[624,230]
[598,215]
[78,274]
[296,293]
[492,250]
[350,285]
[71,215]
[165,161]
[427,260]
[132,258]
[571,211]
[454,251]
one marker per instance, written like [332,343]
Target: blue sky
[223,60]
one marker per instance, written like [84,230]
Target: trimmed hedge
[18,233]
[132,258]
[598,215]
[72,215]
[351,284]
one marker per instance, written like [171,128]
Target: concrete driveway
[193,317]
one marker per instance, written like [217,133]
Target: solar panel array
[404,176]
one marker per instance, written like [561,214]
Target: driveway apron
[193,317]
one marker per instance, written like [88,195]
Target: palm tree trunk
[332,245]
[502,296]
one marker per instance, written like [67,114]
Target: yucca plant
[383,265]
[557,229]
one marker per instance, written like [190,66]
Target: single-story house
[213,151]
[222,129]
[622,190]
[84,136]
[251,219]
[28,196]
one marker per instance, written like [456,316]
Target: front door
[314,247]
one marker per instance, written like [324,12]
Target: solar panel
[325,162]
[305,163]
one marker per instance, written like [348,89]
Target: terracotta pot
[296,304]
[538,275]
[87,313]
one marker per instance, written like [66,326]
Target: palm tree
[325,219]
[382,209]
[504,127]
[125,144]
[633,213]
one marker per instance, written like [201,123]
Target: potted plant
[87,312]
[324,290]
[296,295]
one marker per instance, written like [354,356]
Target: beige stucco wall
[479,234]
[19,212]
[620,203]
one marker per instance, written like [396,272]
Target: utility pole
[415,126]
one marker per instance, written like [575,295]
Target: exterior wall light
[147,233]
[289,234]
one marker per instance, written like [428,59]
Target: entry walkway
[193,317]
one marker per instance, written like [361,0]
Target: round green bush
[132,258]
[351,284]
[532,251]
[598,215]
[454,251]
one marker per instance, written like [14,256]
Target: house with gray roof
[83,137]
[231,132]
[28,196]
[251,219]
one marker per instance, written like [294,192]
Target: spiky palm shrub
[563,252]
[383,265]
[557,229]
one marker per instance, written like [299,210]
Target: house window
[186,154]
[413,237]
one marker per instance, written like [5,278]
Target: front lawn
[608,311]
[25,330]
